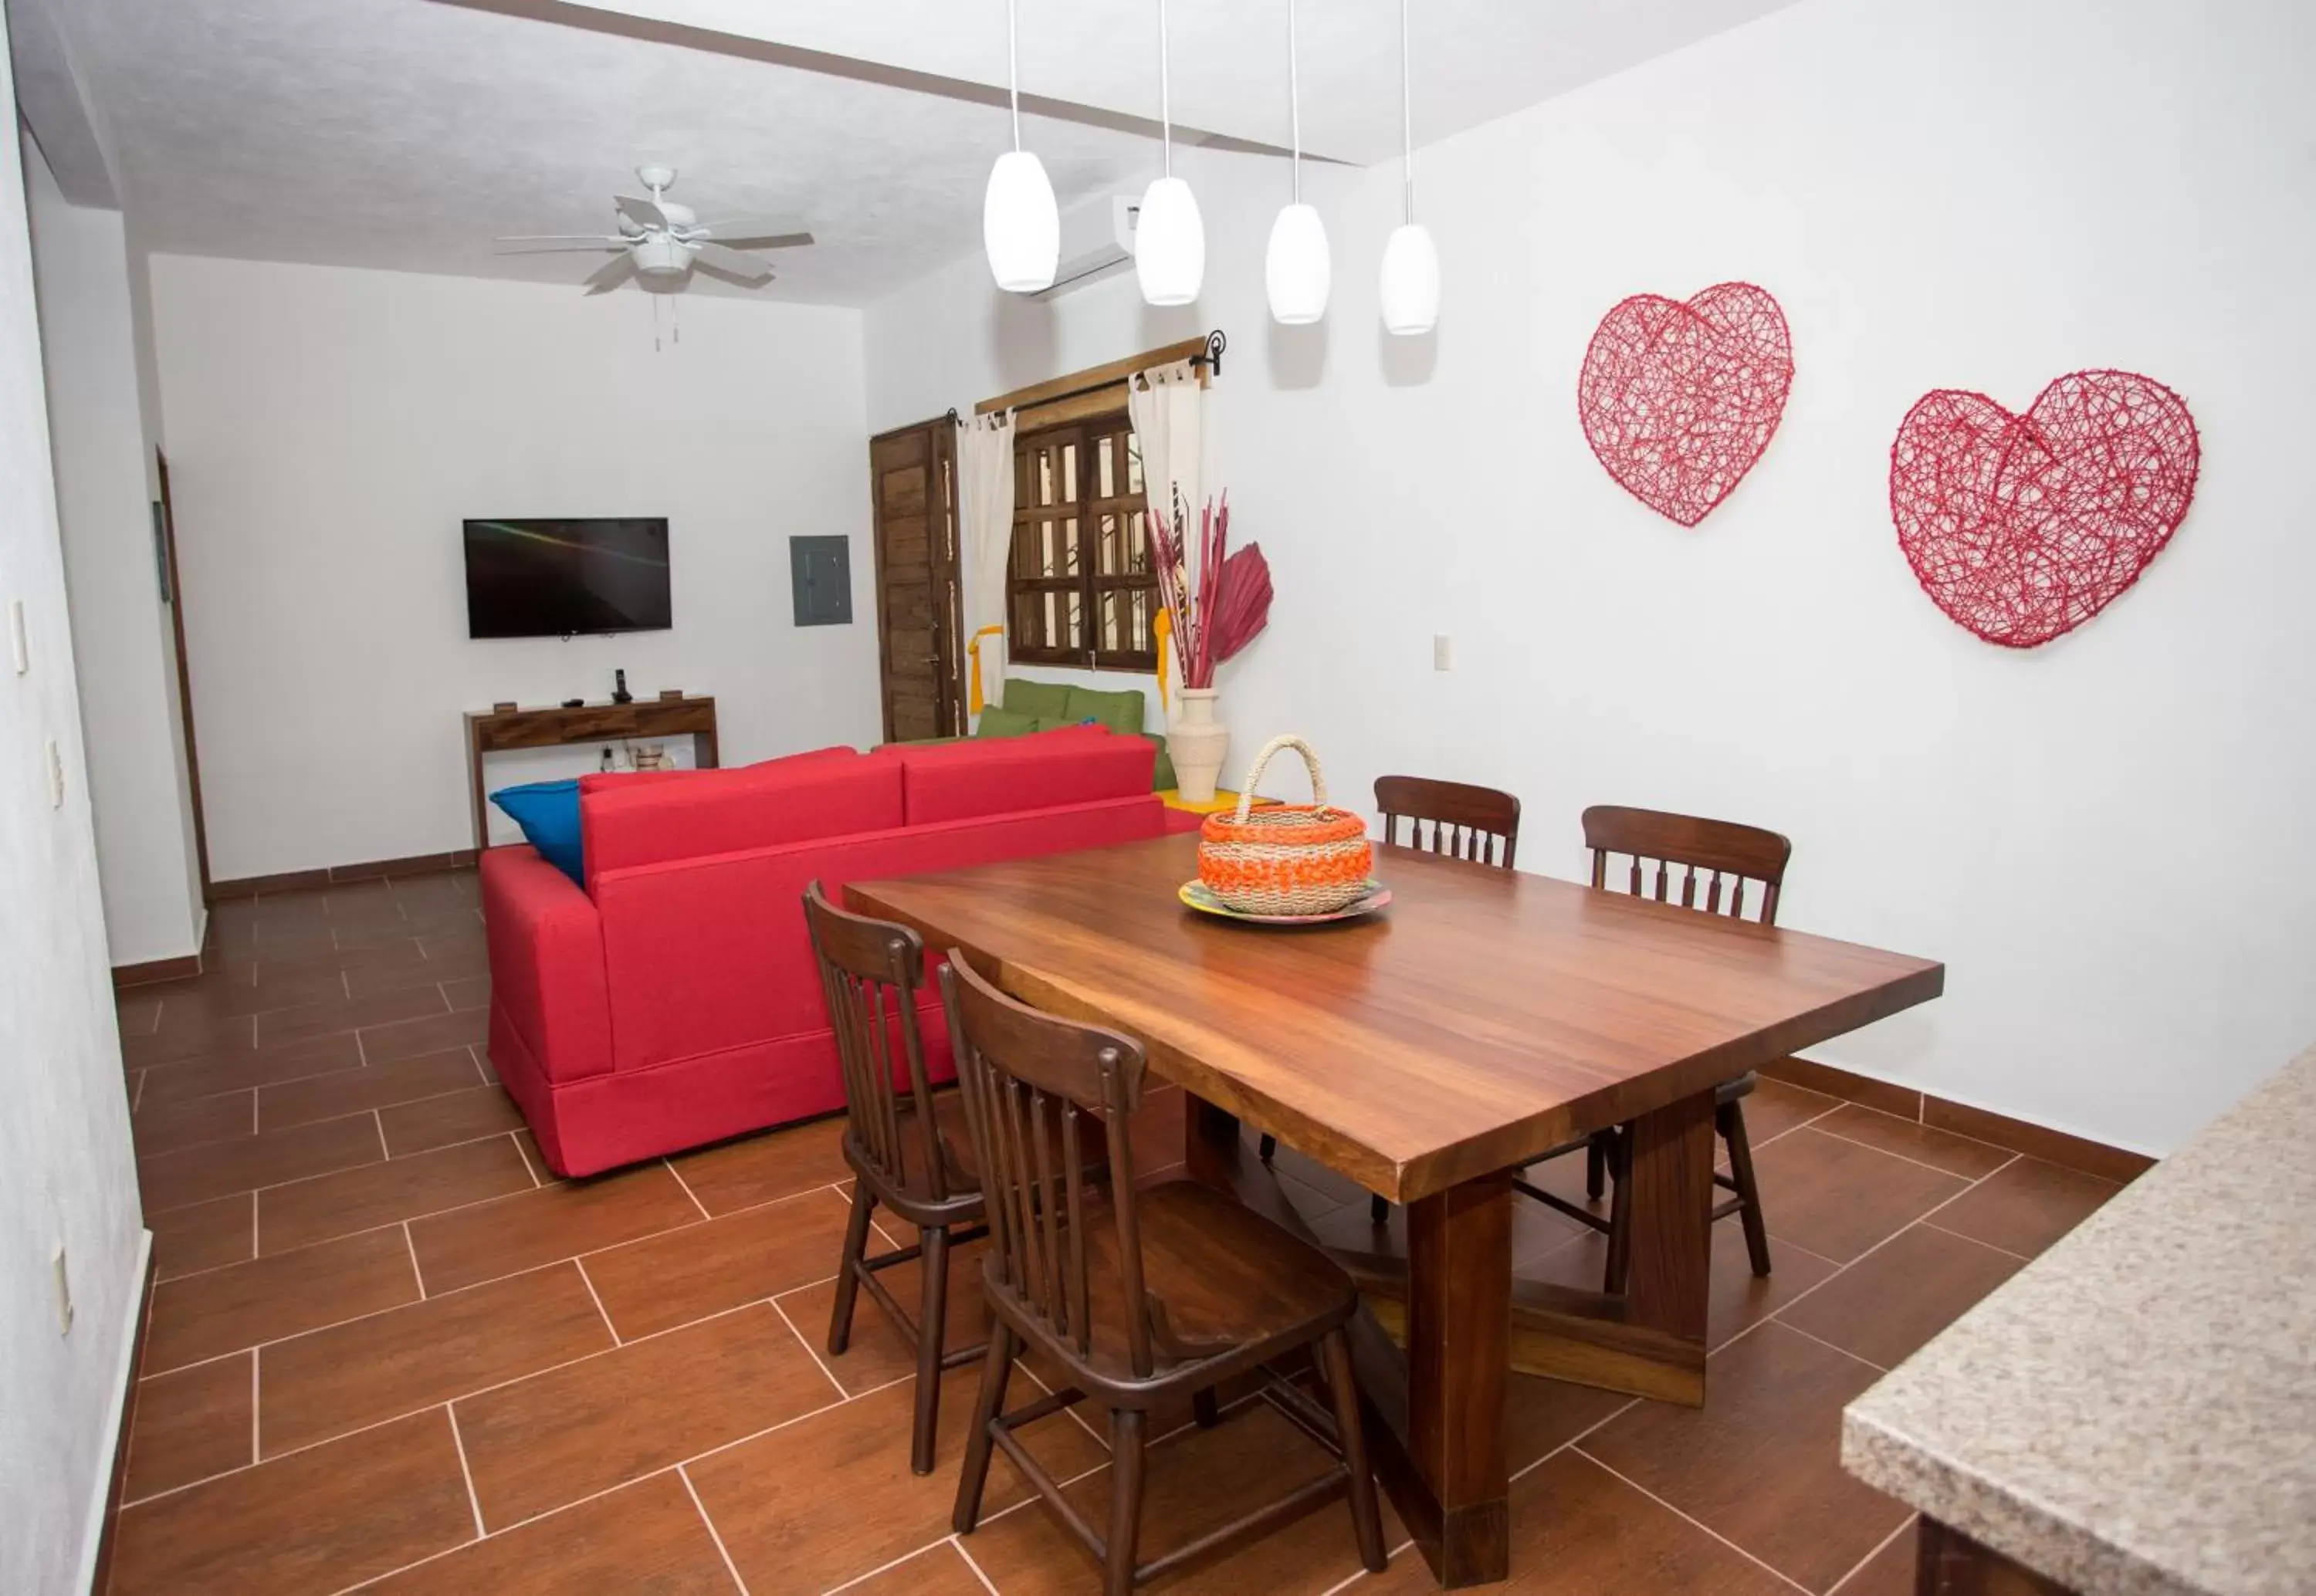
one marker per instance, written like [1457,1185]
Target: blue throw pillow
[548,813]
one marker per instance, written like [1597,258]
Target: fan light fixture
[1020,226]
[1170,240]
[1297,269]
[1410,263]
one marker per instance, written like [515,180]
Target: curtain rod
[1210,357]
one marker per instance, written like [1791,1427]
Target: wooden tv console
[494,731]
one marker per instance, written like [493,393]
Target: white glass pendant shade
[1297,269]
[1170,243]
[1411,280]
[1020,226]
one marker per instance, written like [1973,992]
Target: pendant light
[1170,240]
[1020,226]
[1297,269]
[1411,265]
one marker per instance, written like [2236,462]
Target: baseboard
[184,967]
[96,1544]
[301,881]
[1963,1118]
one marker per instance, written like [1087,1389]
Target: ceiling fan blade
[759,232]
[643,212]
[731,262]
[597,238]
[610,274]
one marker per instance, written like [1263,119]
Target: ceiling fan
[660,242]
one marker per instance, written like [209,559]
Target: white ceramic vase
[1198,742]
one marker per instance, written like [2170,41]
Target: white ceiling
[406,133]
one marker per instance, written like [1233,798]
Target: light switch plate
[1443,652]
[20,642]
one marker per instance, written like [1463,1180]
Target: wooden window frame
[1103,570]
[1089,404]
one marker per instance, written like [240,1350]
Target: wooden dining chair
[1452,818]
[908,1148]
[1708,866]
[1455,818]
[1139,1297]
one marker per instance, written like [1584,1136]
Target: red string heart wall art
[2021,527]
[1679,400]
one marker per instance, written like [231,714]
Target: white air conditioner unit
[1096,241]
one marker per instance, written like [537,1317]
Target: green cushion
[1025,698]
[1120,712]
[1162,776]
[996,721]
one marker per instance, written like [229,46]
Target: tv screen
[555,577]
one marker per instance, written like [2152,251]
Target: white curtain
[984,504]
[1163,403]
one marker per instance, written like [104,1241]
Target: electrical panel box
[820,569]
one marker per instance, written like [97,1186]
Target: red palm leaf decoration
[1233,600]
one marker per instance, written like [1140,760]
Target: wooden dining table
[1426,1052]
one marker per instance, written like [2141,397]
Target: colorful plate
[1198,896]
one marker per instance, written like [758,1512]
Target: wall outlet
[20,642]
[1443,652]
[64,1293]
[56,776]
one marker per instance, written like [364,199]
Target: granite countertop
[2136,1411]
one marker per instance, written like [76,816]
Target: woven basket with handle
[1286,858]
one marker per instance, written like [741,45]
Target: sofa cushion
[1036,699]
[1003,774]
[997,721]
[725,811]
[1121,711]
[548,813]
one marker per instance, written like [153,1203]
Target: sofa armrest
[546,962]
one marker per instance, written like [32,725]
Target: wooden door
[912,498]
[176,596]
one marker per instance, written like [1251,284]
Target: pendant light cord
[1294,105]
[1013,70]
[1165,94]
[1406,113]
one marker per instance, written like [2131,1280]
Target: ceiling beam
[747,32]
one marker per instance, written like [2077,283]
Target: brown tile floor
[387,1352]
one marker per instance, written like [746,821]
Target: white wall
[2107,839]
[123,646]
[65,1170]
[329,429]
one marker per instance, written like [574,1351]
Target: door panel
[912,478]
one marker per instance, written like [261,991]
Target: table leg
[1671,1176]
[1211,1146]
[1458,1330]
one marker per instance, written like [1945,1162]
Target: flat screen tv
[559,578]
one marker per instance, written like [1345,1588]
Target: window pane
[1050,548]
[1133,467]
[1070,473]
[1064,614]
[1126,616]
[1105,454]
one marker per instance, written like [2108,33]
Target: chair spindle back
[1037,1091]
[1722,852]
[870,971]
[1455,818]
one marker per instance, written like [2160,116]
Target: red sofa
[674,1001]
